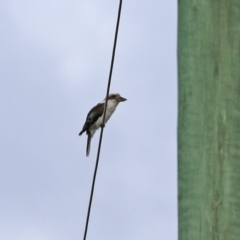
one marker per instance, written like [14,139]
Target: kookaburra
[95,116]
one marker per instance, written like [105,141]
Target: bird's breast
[109,111]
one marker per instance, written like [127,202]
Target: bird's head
[116,97]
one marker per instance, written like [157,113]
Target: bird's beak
[121,99]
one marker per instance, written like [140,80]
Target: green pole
[209,119]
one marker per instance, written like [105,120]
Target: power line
[103,125]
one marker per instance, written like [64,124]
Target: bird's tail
[88,144]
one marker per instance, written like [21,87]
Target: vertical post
[209,119]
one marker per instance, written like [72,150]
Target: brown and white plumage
[95,116]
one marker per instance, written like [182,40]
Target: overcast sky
[54,63]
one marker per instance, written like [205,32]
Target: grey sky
[54,64]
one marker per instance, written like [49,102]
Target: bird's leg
[102,125]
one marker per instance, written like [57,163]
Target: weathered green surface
[209,119]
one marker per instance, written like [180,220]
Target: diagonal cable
[103,124]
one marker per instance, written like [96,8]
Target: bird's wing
[93,116]
[95,113]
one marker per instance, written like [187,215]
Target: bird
[94,118]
